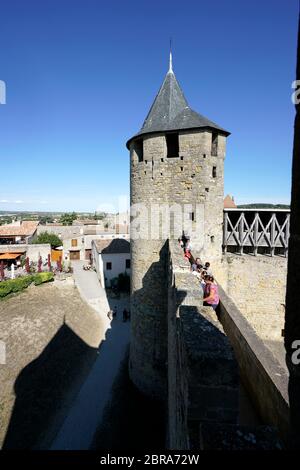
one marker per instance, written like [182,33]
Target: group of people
[204,275]
[207,282]
[113,314]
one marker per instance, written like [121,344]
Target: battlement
[208,357]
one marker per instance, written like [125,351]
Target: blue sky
[82,74]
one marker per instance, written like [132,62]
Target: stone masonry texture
[257,285]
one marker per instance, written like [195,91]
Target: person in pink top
[211,295]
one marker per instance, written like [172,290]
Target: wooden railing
[253,230]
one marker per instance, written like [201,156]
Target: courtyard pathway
[91,290]
[86,413]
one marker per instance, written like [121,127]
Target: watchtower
[177,158]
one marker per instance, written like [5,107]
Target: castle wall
[257,285]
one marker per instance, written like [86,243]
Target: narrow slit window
[172,145]
[214,172]
[214,144]
[139,150]
[192,216]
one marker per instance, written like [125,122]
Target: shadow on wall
[41,387]
[149,329]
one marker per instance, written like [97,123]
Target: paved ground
[52,338]
[87,411]
[90,288]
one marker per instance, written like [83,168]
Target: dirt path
[52,338]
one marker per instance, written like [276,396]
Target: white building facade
[111,258]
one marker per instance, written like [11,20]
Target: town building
[76,240]
[18,232]
[13,253]
[111,258]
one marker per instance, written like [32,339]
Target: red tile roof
[229,202]
[25,229]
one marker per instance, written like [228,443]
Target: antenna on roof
[170,59]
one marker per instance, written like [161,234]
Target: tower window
[108,266]
[214,144]
[172,145]
[214,172]
[139,150]
[192,216]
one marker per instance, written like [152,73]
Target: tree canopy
[68,218]
[46,237]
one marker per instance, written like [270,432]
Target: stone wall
[257,285]
[202,369]
[63,231]
[265,380]
[32,251]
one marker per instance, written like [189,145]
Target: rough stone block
[234,437]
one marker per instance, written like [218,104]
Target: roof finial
[170,60]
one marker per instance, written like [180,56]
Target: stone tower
[177,158]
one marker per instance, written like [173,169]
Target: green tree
[46,219]
[68,218]
[46,237]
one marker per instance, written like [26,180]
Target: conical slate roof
[170,111]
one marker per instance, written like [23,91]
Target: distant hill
[262,205]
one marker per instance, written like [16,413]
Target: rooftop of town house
[115,246]
[229,202]
[87,222]
[170,111]
[24,228]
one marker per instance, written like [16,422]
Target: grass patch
[13,286]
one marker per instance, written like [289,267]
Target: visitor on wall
[196,266]
[211,295]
